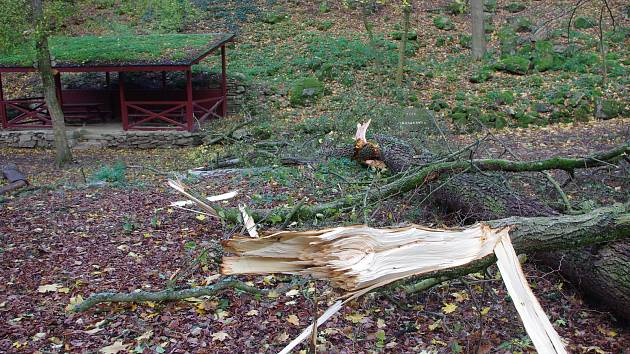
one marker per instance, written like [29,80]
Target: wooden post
[58,87]
[3,109]
[223,82]
[123,103]
[110,100]
[189,101]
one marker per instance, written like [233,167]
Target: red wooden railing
[25,113]
[152,115]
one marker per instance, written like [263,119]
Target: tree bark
[359,257]
[478,32]
[403,44]
[44,65]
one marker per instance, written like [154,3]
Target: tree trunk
[62,151]
[358,257]
[478,32]
[601,272]
[403,45]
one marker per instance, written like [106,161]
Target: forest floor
[80,239]
[105,222]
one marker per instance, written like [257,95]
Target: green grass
[146,49]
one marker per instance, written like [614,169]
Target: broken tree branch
[358,257]
[164,295]
[15,178]
[419,176]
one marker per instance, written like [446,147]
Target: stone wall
[84,138]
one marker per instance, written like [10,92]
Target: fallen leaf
[485,310]
[433,326]
[94,330]
[220,336]
[145,336]
[293,292]
[448,308]
[282,337]
[118,346]
[200,217]
[355,317]
[48,288]
[75,300]
[252,313]
[294,320]
[380,323]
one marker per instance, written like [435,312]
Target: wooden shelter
[163,108]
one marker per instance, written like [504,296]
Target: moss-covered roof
[136,50]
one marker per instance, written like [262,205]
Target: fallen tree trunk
[601,272]
[419,176]
[16,178]
[358,257]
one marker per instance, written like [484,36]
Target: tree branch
[164,295]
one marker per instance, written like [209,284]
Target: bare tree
[44,65]
[478,33]
[406,7]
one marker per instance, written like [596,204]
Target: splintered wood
[357,257]
[360,258]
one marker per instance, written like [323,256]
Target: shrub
[325,25]
[490,5]
[438,105]
[524,119]
[456,7]
[521,24]
[323,7]
[544,57]
[584,22]
[489,27]
[167,15]
[443,22]
[274,17]
[493,120]
[465,40]
[481,75]
[500,98]
[113,174]
[305,91]
[507,40]
[515,7]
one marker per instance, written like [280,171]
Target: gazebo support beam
[123,104]
[3,109]
[189,100]
[57,77]
[223,82]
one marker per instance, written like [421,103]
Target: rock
[306,91]
[514,64]
[26,141]
[607,109]
[542,108]
[520,23]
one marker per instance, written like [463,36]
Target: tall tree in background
[478,34]
[406,8]
[44,66]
